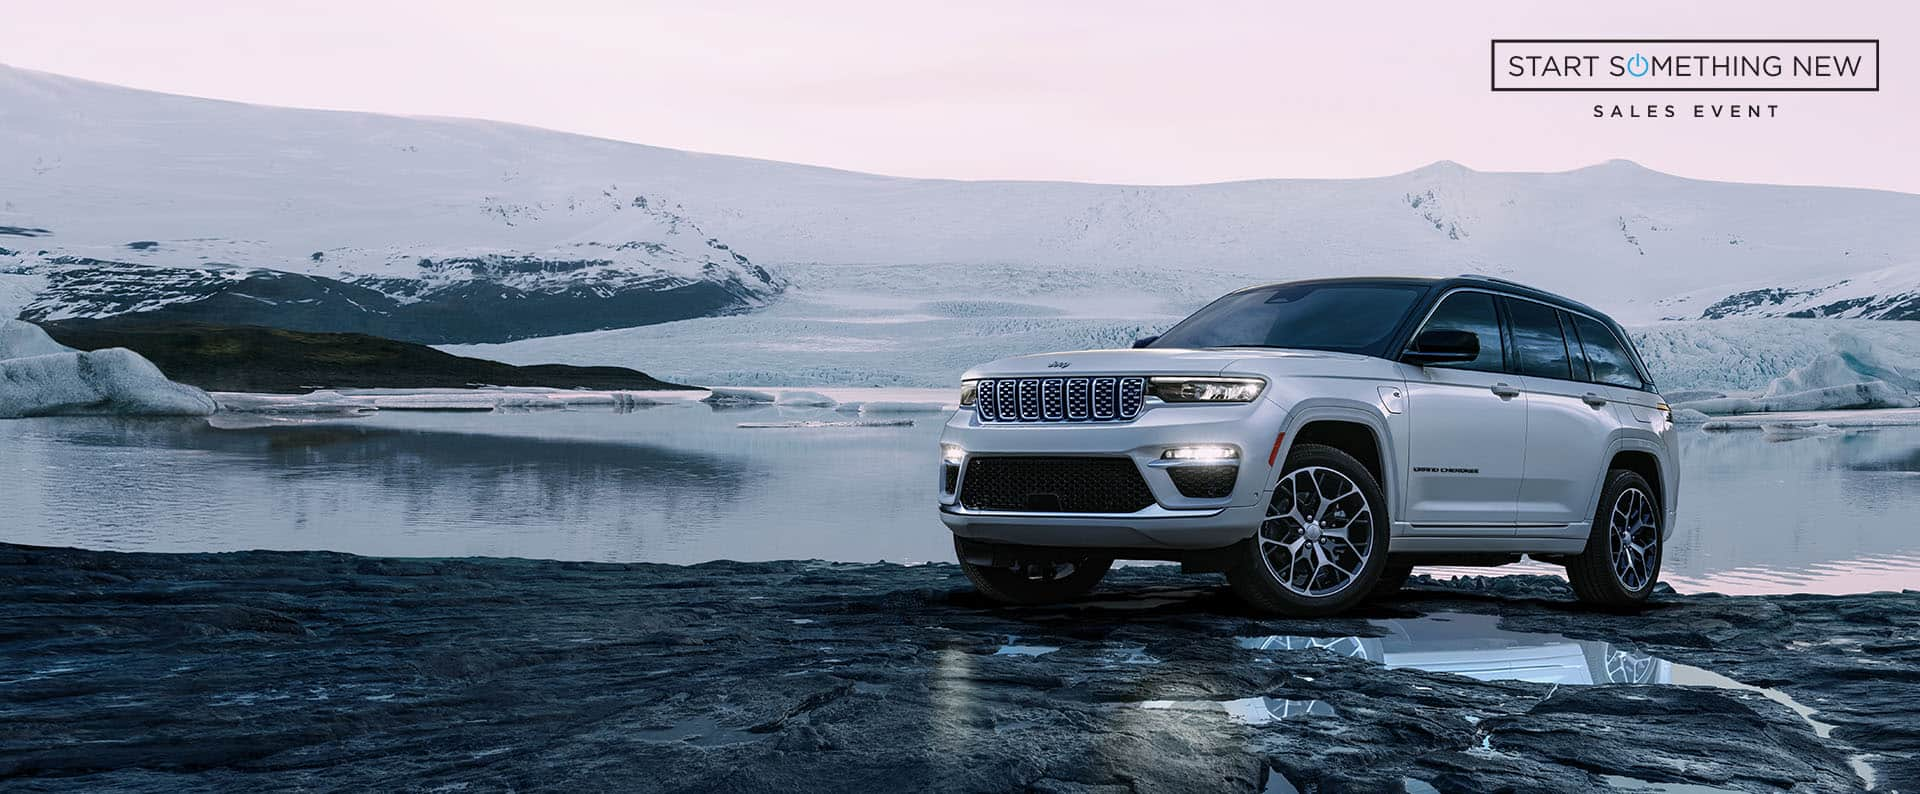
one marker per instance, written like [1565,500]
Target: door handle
[1505,392]
[1592,399]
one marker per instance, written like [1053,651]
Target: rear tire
[1621,563]
[1047,582]
[1323,544]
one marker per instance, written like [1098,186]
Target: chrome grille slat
[1077,406]
[1074,399]
[1053,400]
[1132,396]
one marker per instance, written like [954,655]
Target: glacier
[41,377]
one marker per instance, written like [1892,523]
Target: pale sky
[1090,91]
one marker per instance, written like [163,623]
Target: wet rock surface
[326,671]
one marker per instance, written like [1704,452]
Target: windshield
[1345,317]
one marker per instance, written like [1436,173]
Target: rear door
[1568,419]
[1466,427]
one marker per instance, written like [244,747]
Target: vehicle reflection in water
[1475,646]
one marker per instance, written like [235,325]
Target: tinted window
[1537,342]
[1472,312]
[1580,371]
[1344,317]
[1606,357]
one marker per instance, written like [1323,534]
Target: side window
[1580,369]
[1537,341]
[1605,355]
[1474,312]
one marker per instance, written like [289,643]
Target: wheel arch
[1358,431]
[1640,457]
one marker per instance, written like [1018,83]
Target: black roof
[1445,283]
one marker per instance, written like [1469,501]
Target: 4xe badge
[1060,365]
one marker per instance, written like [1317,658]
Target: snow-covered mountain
[121,201]
[1887,294]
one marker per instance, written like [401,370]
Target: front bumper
[1174,521]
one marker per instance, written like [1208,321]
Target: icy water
[682,483]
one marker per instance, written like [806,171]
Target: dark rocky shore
[270,670]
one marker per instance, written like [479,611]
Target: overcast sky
[1092,91]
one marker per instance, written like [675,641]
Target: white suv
[1315,441]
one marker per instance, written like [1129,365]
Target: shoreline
[241,670]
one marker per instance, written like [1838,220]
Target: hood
[1148,361]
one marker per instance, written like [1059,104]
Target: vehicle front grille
[1054,485]
[1204,482]
[1083,399]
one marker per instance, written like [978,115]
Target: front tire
[1046,582]
[1323,544]
[1622,560]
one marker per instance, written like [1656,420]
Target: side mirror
[1443,347]
[1146,340]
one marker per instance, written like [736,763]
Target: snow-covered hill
[125,201]
[1887,294]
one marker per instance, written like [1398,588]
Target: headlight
[969,392]
[1207,390]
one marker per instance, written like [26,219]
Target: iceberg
[325,401]
[806,399]
[1851,374]
[41,377]
[722,395]
[22,339]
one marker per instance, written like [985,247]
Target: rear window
[1537,340]
[1606,357]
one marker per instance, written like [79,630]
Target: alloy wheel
[1633,538]
[1318,533]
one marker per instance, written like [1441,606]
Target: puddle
[1013,648]
[701,731]
[1132,654]
[1475,646]
[1248,711]
[1864,770]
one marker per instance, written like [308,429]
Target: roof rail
[1497,279]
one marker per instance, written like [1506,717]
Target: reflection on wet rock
[1475,646]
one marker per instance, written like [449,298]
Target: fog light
[952,453]
[1200,453]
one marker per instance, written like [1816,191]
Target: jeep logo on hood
[1059,364]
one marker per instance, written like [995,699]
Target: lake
[681,483]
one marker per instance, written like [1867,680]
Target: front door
[1467,430]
